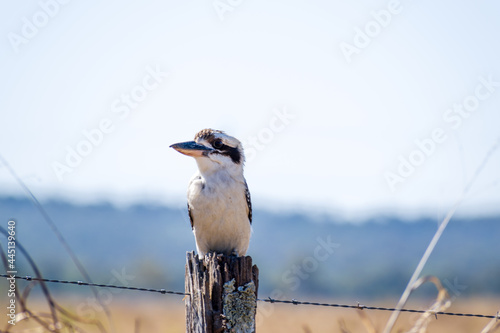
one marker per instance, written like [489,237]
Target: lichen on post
[239,307]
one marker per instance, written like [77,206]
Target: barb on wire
[267,300]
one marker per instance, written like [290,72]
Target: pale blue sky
[67,68]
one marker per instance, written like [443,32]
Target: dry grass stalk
[441,303]
[57,319]
[493,325]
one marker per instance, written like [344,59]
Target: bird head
[213,150]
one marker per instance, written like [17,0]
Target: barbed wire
[267,300]
[81,283]
[364,307]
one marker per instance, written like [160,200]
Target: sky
[343,107]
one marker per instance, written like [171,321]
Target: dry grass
[290,318]
[166,314]
[135,312]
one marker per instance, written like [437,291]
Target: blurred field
[167,315]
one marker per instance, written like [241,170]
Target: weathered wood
[223,293]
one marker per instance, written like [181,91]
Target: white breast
[220,214]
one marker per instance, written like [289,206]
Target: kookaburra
[219,203]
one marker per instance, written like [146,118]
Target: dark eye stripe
[233,153]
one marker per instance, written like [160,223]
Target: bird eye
[217,144]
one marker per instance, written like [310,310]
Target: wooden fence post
[222,293]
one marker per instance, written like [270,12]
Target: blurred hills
[297,254]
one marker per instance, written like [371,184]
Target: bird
[219,203]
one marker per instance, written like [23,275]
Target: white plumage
[218,198]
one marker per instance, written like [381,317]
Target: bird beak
[191,148]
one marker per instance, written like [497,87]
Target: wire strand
[267,300]
[81,283]
[364,307]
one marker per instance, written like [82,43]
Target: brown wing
[190,216]
[249,202]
